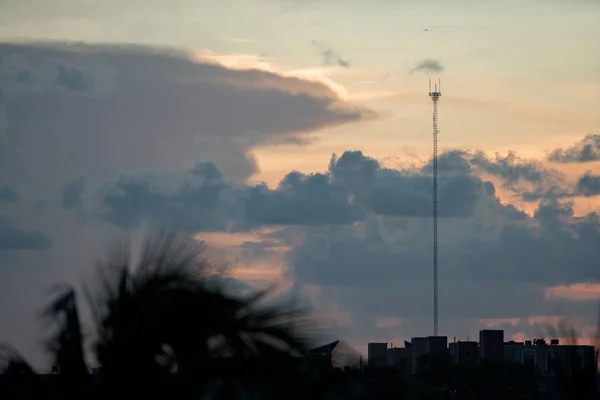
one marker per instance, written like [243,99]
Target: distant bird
[437,30]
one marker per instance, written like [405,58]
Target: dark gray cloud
[8,195]
[588,185]
[399,195]
[427,66]
[302,199]
[452,161]
[207,171]
[362,233]
[40,205]
[359,231]
[109,109]
[14,238]
[74,79]
[99,111]
[71,194]
[512,169]
[23,74]
[547,248]
[492,265]
[408,192]
[547,193]
[380,266]
[528,179]
[196,206]
[586,150]
[329,57]
[354,186]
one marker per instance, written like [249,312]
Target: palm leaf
[12,363]
[18,380]
[66,344]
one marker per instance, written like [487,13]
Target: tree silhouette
[162,315]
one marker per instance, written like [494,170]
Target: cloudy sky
[294,137]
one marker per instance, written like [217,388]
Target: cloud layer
[146,108]
[588,149]
[74,116]
[353,187]
[99,141]
[362,233]
[13,238]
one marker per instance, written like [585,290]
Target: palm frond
[144,308]
[168,251]
[12,363]
[66,344]
[259,330]
[18,380]
[164,312]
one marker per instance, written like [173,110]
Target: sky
[294,137]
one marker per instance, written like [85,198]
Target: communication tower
[435,96]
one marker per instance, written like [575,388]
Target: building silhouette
[325,353]
[419,350]
[399,358]
[464,353]
[545,358]
[377,355]
[551,358]
[491,344]
[437,344]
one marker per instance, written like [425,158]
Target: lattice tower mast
[435,96]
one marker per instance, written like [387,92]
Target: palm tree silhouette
[163,315]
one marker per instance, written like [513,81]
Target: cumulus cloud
[491,265]
[102,113]
[72,111]
[19,74]
[354,186]
[373,263]
[512,169]
[588,185]
[206,206]
[14,238]
[586,150]
[427,66]
[362,232]
[528,179]
[545,249]
[8,195]
[360,201]
[116,133]
[531,180]
[71,194]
